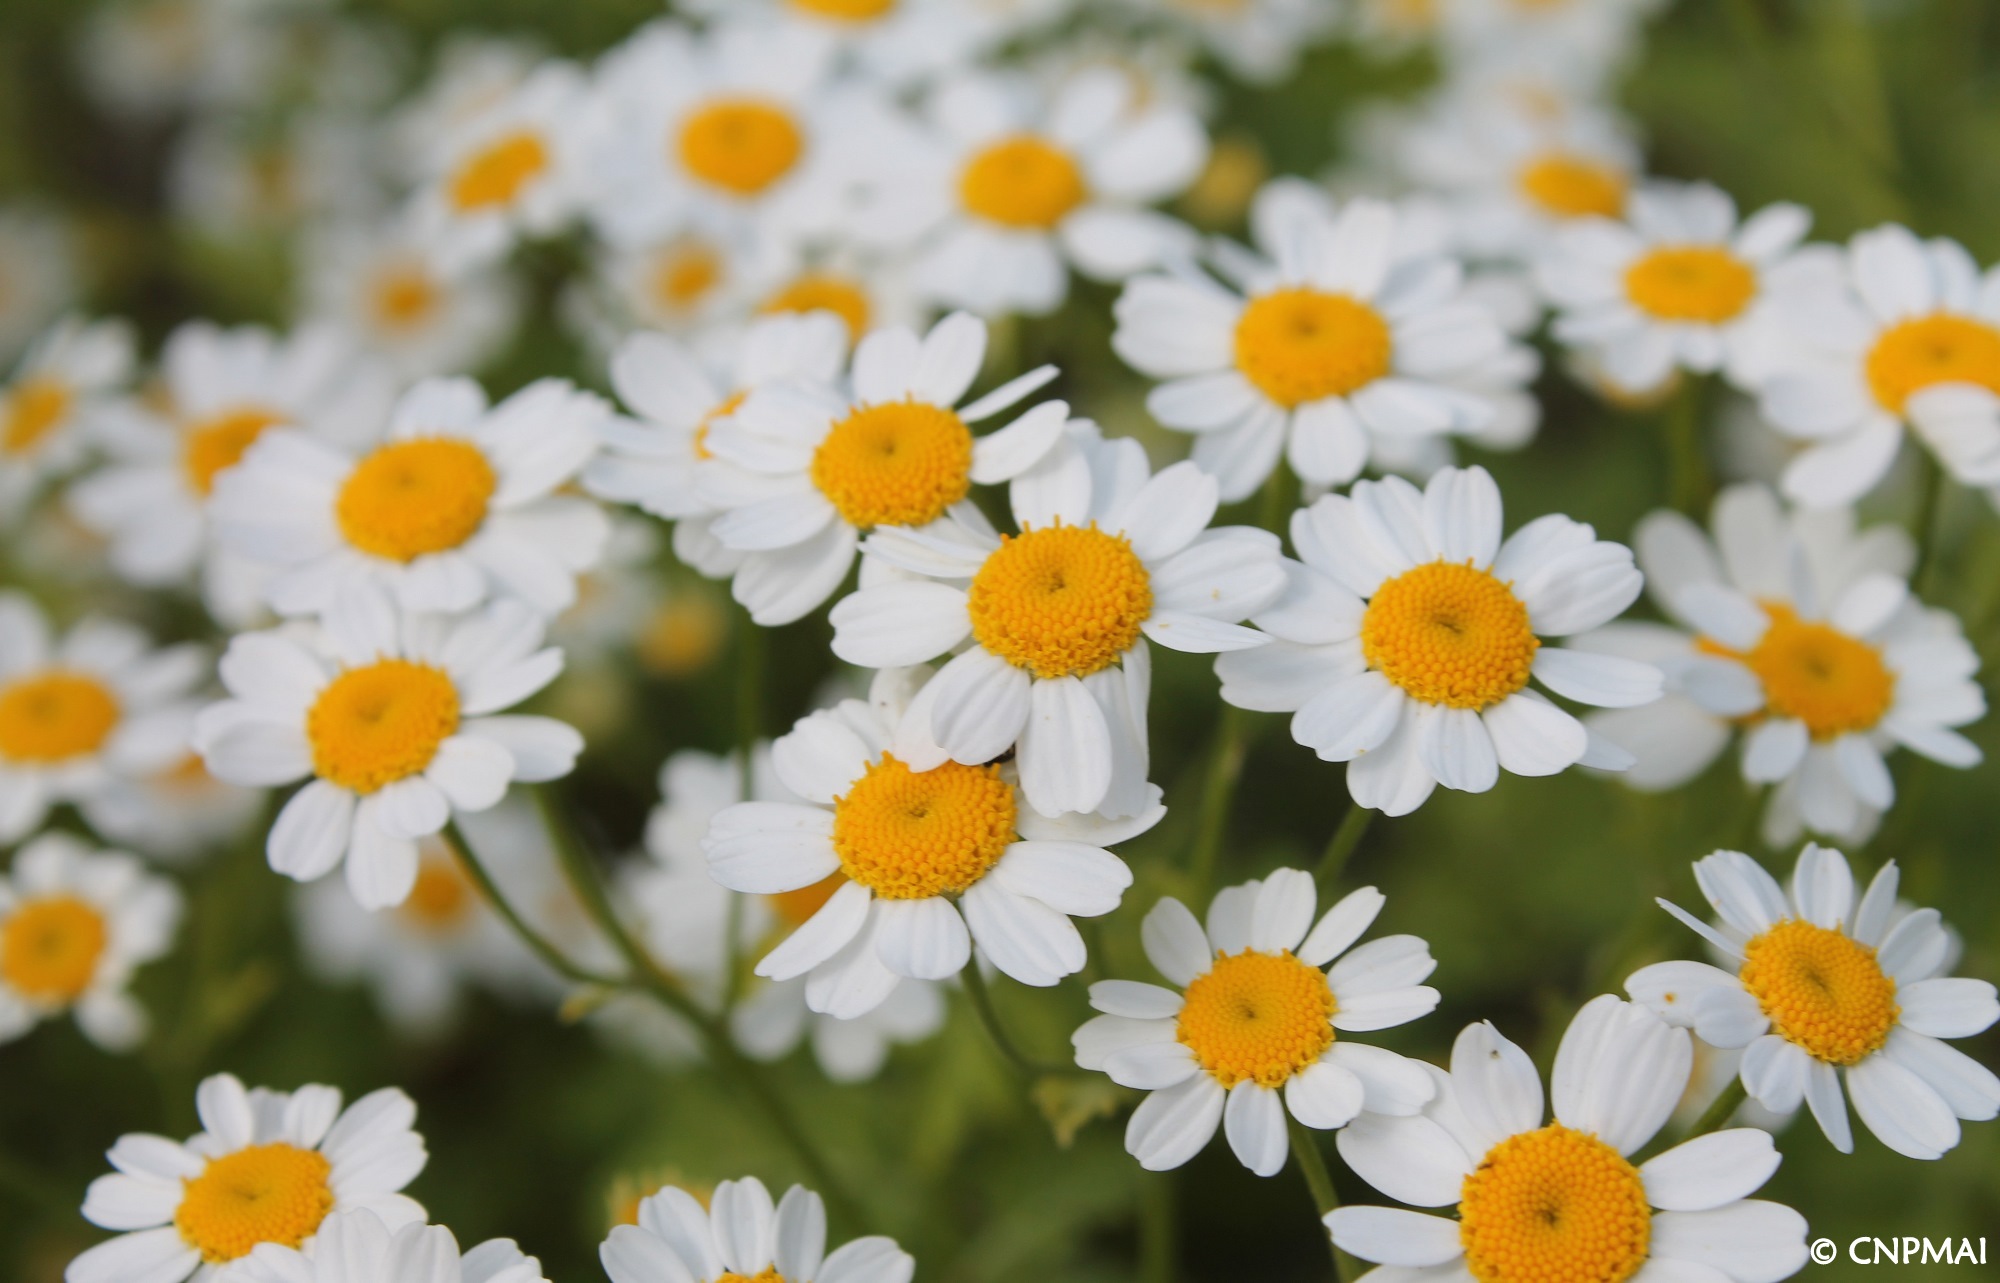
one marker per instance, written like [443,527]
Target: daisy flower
[804,470]
[1678,285]
[74,924]
[1563,1199]
[180,1207]
[921,863]
[1409,632]
[896,43]
[453,504]
[688,282]
[59,390]
[1048,629]
[175,813]
[1259,1014]
[37,274]
[84,713]
[1801,632]
[359,1244]
[774,1018]
[1822,989]
[391,296]
[1334,342]
[470,73]
[1901,334]
[391,716]
[740,1235]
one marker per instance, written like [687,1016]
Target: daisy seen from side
[740,1234]
[361,1245]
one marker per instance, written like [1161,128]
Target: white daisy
[1563,1199]
[392,715]
[84,714]
[1801,632]
[470,73]
[37,273]
[1336,346]
[154,57]
[897,43]
[235,177]
[359,1246]
[928,861]
[1259,1013]
[1257,40]
[47,412]
[392,298]
[1825,989]
[454,503]
[740,1235]
[775,1017]
[1407,637]
[685,283]
[74,924]
[804,470]
[175,813]
[1048,628]
[181,1209]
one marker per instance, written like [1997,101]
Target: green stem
[1225,769]
[1687,462]
[1927,523]
[1319,1182]
[537,943]
[1340,847]
[982,1006]
[749,691]
[1156,1227]
[1718,1113]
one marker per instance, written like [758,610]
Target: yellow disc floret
[742,145]
[1823,991]
[1449,634]
[442,898]
[219,442]
[684,273]
[403,297]
[1914,355]
[1299,345]
[35,406]
[1565,185]
[409,498]
[907,835]
[1061,601]
[1257,1016]
[795,906]
[846,10]
[825,292]
[1021,182]
[380,723]
[1834,683]
[769,1274]
[53,716]
[496,173]
[49,948]
[1700,284]
[275,1193]
[1554,1206]
[901,463]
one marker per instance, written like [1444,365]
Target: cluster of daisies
[797,241]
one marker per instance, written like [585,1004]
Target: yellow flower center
[1812,671]
[377,724]
[1061,600]
[1554,1206]
[825,292]
[497,173]
[769,1274]
[219,442]
[908,835]
[1570,186]
[55,715]
[1257,1016]
[1021,182]
[723,409]
[741,145]
[1914,355]
[49,948]
[1822,990]
[442,897]
[275,1193]
[409,498]
[35,407]
[846,10]
[1299,345]
[794,907]
[1449,634]
[1697,283]
[685,273]
[403,297]
[901,463]
[682,636]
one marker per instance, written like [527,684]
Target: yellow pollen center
[377,724]
[1061,600]
[442,897]
[35,407]
[219,442]
[497,173]
[741,145]
[684,274]
[909,835]
[1812,671]
[403,297]
[1914,355]
[1570,186]
[1822,990]
[1554,1206]
[53,716]
[409,498]
[275,1193]
[1257,1016]
[1449,634]
[1694,283]
[1299,345]
[825,292]
[794,907]
[1022,182]
[769,1274]
[846,10]
[49,948]
[901,463]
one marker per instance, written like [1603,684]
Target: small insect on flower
[740,1235]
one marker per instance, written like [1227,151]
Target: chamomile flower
[181,1208]
[392,718]
[1259,1014]
[1825,990]
[392,297]
[84,713]
[1408,635]
[802,471]
[360,1244]
[175,813]
[453,504]
[1048,628]
[74,925]
[59,390]
[774,1018]
[740,1235]
[1563,1199]
[1335,343]
[684,283]
[923,862]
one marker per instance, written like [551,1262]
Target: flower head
[740,1235]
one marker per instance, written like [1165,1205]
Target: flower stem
[1718,1113]
[540,945]
[1156,1227]
[982,1005]
[1927,523]
[1225,769]
[1687,462]
[1319,1182]
[1340,847]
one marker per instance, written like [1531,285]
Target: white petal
[1607,681]
[924,939]
[1752,1241]
[1395,1236]
[1710,1170]
[1254,1122]
[1325,1095]
[1170,1127]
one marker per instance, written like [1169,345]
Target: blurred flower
[37,273]
[59,391]
[378,284]
[739,1235]
[360,1244]
[1257,40]
[151,57]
